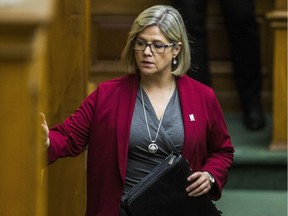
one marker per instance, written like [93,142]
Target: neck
[150,84]
[159,95]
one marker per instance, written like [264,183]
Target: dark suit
[244,42]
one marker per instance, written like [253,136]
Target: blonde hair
[170,22]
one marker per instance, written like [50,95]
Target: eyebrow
[154,41]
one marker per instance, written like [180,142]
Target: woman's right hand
[45,131]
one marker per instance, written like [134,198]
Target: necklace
[153,147]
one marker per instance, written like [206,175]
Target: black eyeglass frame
[150,44]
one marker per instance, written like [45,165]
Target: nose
[148,51]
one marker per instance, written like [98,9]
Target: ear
[177,49]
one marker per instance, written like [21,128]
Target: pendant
[153,148]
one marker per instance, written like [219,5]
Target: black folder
[162,193]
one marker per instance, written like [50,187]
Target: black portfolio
[162,193]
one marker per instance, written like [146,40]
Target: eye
[140,43]
[158,45]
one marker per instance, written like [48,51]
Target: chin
[147,71]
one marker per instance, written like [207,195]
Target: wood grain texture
[23,46]
[67,84]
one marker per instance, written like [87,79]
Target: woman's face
[152,63]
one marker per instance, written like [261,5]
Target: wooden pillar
[23,34]
[67,85]
[278,25]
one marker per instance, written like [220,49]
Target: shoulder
[188,84]
[115,85]
[123,80]
[109,92]
[195,94]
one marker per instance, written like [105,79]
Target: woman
[132,123]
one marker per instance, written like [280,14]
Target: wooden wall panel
[110,25]
[22,82]
[68,65]
[67,59]
[109,35]
[127,7]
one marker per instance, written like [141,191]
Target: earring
[174,61]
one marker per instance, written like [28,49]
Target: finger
[196,180]
[195,187]
[199,187]
[43,118]
[200,190]
[42,115]
[199,193]
[194,176]
[44,123]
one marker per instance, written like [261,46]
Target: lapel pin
[192,118]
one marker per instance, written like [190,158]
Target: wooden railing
[23,36]
[278,25]
[68,48]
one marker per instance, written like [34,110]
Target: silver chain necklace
[153,147]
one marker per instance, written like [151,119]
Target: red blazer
[103,122]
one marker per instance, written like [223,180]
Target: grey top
[170,137]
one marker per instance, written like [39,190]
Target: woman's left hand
[200,184]
[45,131]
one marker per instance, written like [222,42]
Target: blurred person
[130,123]
[245,51]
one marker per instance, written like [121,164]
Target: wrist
[211,178]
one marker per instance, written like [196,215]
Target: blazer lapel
[126,104]
[189,113]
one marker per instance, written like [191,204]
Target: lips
[146,63]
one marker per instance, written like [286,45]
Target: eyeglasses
[140,45]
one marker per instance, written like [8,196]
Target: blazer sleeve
[219,147]
[71,137]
